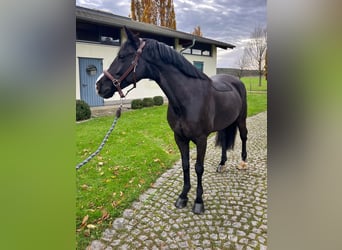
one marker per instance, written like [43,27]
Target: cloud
[90,3]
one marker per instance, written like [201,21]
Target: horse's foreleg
[183,145]
[201,144]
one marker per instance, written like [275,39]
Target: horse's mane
[171,56]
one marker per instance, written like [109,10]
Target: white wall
[91,50]
[145,88]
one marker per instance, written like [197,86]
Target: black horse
[198,105]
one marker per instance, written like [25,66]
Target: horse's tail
[226,137]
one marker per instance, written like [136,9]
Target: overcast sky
[230,21]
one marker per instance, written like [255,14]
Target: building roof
[108,18]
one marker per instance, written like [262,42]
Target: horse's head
[128,67]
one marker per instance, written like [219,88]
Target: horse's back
[227,83]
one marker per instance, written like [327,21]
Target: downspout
[189,47]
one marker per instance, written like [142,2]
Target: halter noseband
[117,82]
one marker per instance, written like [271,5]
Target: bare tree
[256,50]
[266,65]
[243,63]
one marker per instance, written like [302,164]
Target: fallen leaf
[86,233]
[105,214]
[114,204]
[84,186]
[121,193]
[84,221]
[91,226]
[100,163]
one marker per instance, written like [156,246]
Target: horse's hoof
[181,203]
[198,208]
[242,166]
[220,168]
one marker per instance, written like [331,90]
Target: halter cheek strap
[117,82]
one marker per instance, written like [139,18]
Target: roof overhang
[108,18]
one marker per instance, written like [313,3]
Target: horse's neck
[177,87]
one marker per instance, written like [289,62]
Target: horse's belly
[226,112]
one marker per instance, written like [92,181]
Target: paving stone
[263,247]
[233,238]
[253,243]
[97,245]
[235,203]
[119,223]
[115,243]
[128,213]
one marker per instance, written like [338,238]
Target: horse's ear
[132,38]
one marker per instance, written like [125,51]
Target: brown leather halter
[117,82]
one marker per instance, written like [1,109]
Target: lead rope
[105,139]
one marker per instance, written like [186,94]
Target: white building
[99,36]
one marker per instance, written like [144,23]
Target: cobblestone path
[235,204]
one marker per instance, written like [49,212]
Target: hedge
[83,111]
[158,100]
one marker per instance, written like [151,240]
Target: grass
[138,151]
[257,102]
[252,83]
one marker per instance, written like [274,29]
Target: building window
[91,70]
[199,65]
[97,33]
[199,49]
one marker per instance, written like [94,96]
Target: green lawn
[252,83]
[138,151]
[256,102]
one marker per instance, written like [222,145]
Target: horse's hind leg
[221,141]
[183,145]
[223,157]
[243,136]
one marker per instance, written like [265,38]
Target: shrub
[137,104]
[148,102]
[83,111]
[158,100]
